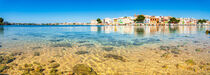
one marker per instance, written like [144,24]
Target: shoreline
[107,25]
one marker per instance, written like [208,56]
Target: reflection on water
[1,30]
[112,50]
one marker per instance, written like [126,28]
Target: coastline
[112,25]
[111,50]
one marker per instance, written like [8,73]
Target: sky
[59,11]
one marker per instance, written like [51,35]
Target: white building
[107,21]
[93,22]
[147,19]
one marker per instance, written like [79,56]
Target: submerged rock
[36,48]
[32,69]
[196,42]
[138,43]
[166,48]
[82,41]
[52,61]
[81,69]
[115,57]
[87,45]
[40,35]
[28,65]
[54,65]
[53,71]
[62,45]
[175,51]
[14,39]
[108,48]
[3,67]
[56,40]
[180,45]
[0,46]
[140,60]
[16,53]
[166,55]
[36,53]
[81,52]
[6,59]
[165,66]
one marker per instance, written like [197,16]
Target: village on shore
[130,20]
[150,20]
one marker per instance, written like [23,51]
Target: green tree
[174,20]
[201,21]
[1,21]
[99,20]
[140,19]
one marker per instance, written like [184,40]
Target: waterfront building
[187,21]
[128,20]
[154,20]
[208,22]
[107,21]
[115,21]
[93,22]
[182,21]
[123,20]
[147,19]
[120,21]
[164,20]
[151,20]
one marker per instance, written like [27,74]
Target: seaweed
[81,52]
[36,48]
[82,41]
[87,45]
[108,48]
[54,65]
[62,45]
[115,57]
[56,40]
[198,50]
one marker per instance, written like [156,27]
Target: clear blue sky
[51,11]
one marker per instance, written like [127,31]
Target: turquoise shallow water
[108,50]
[116,36]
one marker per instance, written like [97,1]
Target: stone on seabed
[82,69]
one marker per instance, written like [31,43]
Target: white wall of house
[93,22]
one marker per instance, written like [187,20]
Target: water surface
[114,50]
